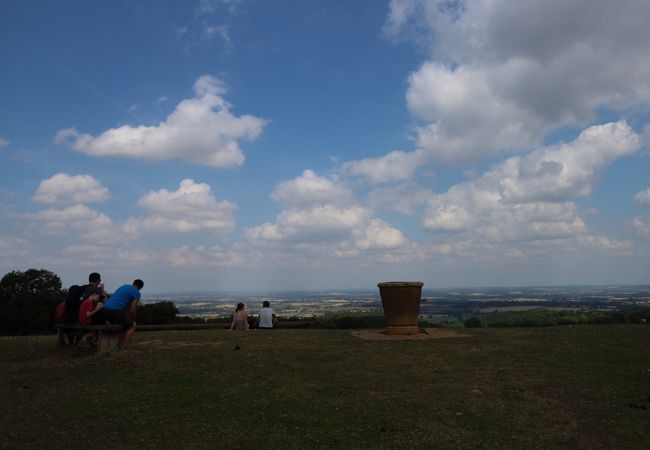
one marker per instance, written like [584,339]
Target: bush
[157,313]
[341,320]
[473,322]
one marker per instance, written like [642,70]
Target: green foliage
[157,313]
[473,322]
[33,283]
[346,320]
[545,317]
[28,301]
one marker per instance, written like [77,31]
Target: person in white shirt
[267,319]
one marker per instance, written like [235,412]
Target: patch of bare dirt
[158,343]
[427,333]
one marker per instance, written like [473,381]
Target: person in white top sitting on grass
[267,319]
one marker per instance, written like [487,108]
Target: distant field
[583,386]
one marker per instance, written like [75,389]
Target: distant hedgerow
[473,322]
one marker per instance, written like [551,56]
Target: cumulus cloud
[323,211]
[309,189]
[190,208]
[395,166]
[12,247]
[527,198]
[89,223]
[380,235]
[504,73]
[318,223]
[642,226]
[61,189]
[468,119]
[203,256]
[201,130]
[404,198]
[643,198]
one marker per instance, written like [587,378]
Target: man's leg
[128,335]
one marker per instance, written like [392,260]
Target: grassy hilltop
[574,386]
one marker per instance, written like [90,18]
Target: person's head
[94,297]
[265,304]
[94,278]
[139,284]
[240,307]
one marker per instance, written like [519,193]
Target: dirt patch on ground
[158,343]
[427,333]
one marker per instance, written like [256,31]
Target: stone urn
[401,302]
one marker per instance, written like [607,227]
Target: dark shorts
[118,317]
[98,318]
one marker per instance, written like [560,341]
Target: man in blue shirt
[121,307]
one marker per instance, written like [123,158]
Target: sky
[238,145]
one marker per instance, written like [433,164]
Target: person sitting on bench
[90,314]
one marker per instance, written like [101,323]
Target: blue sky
[251,145]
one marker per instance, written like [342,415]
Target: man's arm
[95,310]
[133,309]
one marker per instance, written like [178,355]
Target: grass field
[580,386]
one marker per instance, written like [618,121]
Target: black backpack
[73,302]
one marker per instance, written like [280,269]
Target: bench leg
[107,341]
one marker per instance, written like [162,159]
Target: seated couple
[266,319]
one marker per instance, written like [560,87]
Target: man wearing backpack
[121,307]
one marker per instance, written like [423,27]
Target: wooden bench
[109,335]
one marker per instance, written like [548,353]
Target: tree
[28,301]
[31,283]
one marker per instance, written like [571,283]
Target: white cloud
[403,198]
[202,256]
[220,32]
[565,170]
[324,215]
[642,226]
[4,142]
[89,223]
[526,198]
[395,166]
[643,198]
[191,208]
[469,119]
[12,247]
[646,137]
[380,235]
[62,189]
[201,130]
[184,256]
[211,6]
[310,189]
[318,223]
[504,73]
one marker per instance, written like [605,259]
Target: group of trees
[28,302]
